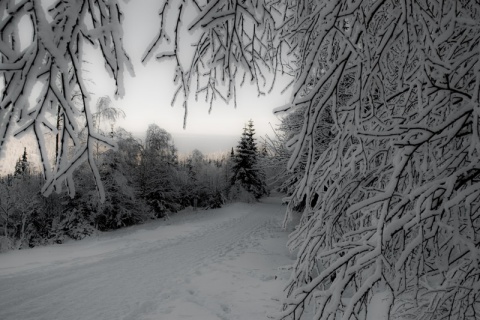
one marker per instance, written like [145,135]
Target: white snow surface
[215,264]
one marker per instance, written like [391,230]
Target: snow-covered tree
[22,166]
[19,199]
[41,70]
[119,172]
[205,185]
[7,206]
[105,116]
[392,203]
[157,177]
[159,144]
[245,171]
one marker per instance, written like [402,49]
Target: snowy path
[218,264]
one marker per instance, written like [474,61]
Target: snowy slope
[218,264]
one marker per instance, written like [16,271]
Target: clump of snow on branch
[51,62]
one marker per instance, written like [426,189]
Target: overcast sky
[150,91]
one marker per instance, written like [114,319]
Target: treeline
[142,181]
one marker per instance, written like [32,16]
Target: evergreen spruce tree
[245,170]
[22,167]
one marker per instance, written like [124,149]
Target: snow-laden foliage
[279,154]
[206,180]
[157,172]
[232,43]
[393,202]
[142,181]
[41,56]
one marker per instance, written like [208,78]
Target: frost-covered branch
[393,202]
[233,41]
[51,60]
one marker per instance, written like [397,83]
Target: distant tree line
[142,181]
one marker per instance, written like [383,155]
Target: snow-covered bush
[71,224]
[215,201]
[237,192]
[29,219]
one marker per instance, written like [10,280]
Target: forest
[142,181]
[380,139]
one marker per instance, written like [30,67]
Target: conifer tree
[245,170]
[22,166]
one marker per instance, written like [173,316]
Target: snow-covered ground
[216,264]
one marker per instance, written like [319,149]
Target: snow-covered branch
[233,41]
[392,204]
[52,61]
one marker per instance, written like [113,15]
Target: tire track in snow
[131,285]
